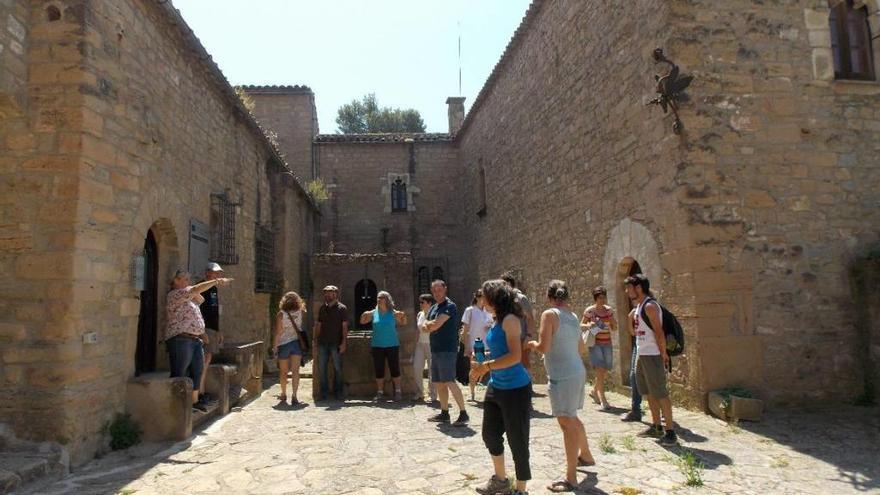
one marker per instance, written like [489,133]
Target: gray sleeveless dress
[565,368]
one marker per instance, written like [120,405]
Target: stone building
[758,224]
[125,155]
[751,223]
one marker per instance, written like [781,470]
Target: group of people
[497,331]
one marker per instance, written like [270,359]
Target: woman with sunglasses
[385,343]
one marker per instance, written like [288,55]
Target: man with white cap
[331,334]
[211,314]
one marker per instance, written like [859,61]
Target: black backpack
[671,328]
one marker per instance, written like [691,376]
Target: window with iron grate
[223,230]
[398,195]
[265,279]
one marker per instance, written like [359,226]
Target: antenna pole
[459,58]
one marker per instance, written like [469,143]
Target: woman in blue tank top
[562,346]
[385,344]
[506,408]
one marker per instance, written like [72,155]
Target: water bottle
[479,350]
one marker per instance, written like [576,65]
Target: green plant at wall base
[317,190]
[124,432]
[727,393]
[691,469]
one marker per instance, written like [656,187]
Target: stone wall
[358,176]
[567,174]
[289,113]
[780,186]
[127,130]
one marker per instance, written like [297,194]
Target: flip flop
[561,486]
[595,397]
[585,463]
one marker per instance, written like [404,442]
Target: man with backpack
[653,357]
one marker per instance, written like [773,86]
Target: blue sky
[404,51]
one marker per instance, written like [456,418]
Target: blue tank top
[384,330]
[507,378]
[564,359]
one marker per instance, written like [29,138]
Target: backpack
[671,328]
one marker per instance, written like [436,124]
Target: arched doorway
[626,342]
[145,353]
[364,300]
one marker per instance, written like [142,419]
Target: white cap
[213,267]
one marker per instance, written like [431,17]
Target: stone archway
[630,246]
[167,258]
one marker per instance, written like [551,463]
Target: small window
[223,230]
[424,280]
[437,274]
[851,42]
[482,190]
[264,259]
[53,13]
[398,195]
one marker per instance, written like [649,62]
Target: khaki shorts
[651,377]
[213,346]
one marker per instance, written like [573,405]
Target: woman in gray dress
[559,340]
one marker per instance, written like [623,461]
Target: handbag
[304,341]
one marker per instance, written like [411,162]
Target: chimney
[455,112]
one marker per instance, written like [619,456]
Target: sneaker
[631,417]
[208,398]
[379,397]
[606,407]
[495,486]
[655,431]
[398,396]
[443,417]
[669,438]
[294,402]
[200,406]
[462,420]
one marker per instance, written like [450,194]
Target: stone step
[29,465]
[201,417]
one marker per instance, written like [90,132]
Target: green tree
[365,116]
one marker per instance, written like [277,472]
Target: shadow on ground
[845,436]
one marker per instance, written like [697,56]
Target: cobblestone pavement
[371,449]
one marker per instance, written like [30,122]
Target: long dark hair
[502,298]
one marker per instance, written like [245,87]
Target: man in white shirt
[653,359]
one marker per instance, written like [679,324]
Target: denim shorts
[186,358]
[602,356]
[443,366]
[566,396]
[289,349]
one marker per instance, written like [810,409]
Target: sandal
[585,463]
[561,486]
[595,397]
[282,398]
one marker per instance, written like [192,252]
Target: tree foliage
[365,116]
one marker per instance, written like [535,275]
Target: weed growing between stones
[606,445]
[691,468]
[780,462]
[733,427]
[627,490]
[629,442]
[124,432]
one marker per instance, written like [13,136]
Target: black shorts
[392,355]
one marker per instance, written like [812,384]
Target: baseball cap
[213,267]
[331,288]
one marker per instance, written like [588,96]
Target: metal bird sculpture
[670,89]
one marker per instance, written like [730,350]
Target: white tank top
[288,332]
[645,341]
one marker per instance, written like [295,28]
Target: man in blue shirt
[441,324]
